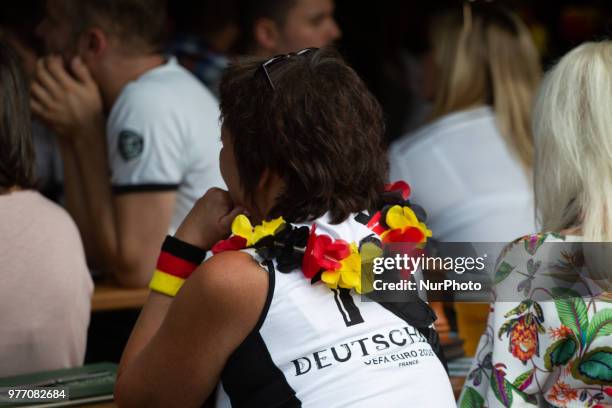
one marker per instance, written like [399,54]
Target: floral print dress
[548,340]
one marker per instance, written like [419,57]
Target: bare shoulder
[233,284]
[231,270]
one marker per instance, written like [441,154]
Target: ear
[267,35]
[269,181]
[269,187]
[93,43]
[265,180]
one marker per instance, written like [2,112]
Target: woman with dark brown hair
[274,318]
[46,288]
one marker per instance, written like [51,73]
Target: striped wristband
[176,262]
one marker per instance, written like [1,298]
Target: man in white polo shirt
[118,105]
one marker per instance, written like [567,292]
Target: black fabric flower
[286,246]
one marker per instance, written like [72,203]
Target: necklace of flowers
[336,262]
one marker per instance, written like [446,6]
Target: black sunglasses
[282,57]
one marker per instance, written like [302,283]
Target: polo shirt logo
[131,144]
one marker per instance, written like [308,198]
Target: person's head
[573,143]
[314,126]
[485,56]
[18,21]
[274,27]
[213,21]
[95,29]
[16,149]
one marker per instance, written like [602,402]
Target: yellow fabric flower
[369,251]
[242,227]
[348,275]
[400,218]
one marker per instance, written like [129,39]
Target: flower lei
[336,262]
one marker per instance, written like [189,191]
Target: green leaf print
[503,271]
[471,399]
[595,367]
[572,311]
[501,387]
[520,309]
[524,380]
[507,327]
[539,311]
[601,325]
[560,352]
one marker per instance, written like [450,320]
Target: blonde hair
[573,140]
[487,56]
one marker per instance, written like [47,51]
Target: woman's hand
[209,220]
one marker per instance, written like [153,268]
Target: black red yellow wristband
[175,264]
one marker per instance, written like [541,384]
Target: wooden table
[457,384]
[108,296]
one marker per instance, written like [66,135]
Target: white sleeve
[146,149]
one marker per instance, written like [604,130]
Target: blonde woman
[471,165]
[549,341]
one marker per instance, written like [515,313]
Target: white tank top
[319,347]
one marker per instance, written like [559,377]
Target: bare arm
[208,221]
[128,229]
[74,194]
[213,313]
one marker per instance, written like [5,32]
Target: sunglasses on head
[282,57]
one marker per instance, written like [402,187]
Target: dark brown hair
[319,128]
[16,150]
[139,24]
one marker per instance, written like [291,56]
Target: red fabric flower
[409,249]
[409,234]
[322,252]
[400,186]
[233,243]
